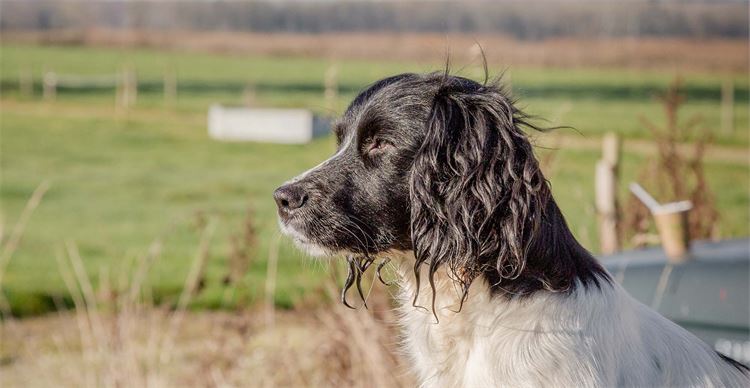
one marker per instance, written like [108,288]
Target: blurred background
[138,236]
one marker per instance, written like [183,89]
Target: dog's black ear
[477,193]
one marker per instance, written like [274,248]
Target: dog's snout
[290,197]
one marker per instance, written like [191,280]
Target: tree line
[520,19]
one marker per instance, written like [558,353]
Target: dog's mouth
[303,242]
[319,236]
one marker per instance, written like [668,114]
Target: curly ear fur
[476,188]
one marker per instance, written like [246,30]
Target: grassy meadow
[121,179]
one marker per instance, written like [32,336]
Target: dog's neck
[555,261]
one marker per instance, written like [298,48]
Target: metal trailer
[707,294]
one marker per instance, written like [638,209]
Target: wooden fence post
[128,88]
[330,84]
[727,106]
[611,149]
[49,86]
[606,194]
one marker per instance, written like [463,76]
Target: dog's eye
[377,146]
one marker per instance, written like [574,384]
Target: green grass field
[121,179]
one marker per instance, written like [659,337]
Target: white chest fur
[587,338]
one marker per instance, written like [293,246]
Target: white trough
[286,126]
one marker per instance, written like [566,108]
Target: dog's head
[434,163]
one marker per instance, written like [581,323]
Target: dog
[436,171]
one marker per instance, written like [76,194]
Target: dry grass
[331,346]
[115,339]
[663,53]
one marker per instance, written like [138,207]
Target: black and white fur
[495,290]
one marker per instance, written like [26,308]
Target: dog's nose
[290,197]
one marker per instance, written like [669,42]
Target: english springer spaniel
[435,171]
